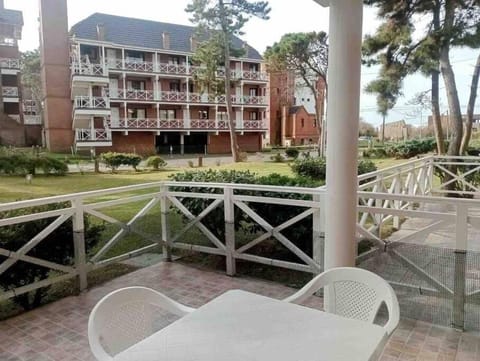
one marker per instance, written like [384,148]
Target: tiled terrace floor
[58,331]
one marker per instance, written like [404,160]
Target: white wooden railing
[95,135]
[84,101]
[86,68]
[32,119]
[207,124]
[9,63]
[10,91]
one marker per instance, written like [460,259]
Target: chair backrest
[126,316]
[353,293]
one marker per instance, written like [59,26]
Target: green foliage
[374,153]
[20,163]
[411,148]
[31,78]
[316,168]
[292,152]
[57,247]
[114,160]
[277,158]
[156,162]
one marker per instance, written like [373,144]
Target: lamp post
[345,34]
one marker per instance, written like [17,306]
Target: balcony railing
[207,124]
[176,69]
[89,69]
[86,102]
[9,63]
[10,91]
[95,135]
[32,119]
[254,75]
[137,66]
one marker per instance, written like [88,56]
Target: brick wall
[248,142]
[304,130]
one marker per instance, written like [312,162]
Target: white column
[343,113]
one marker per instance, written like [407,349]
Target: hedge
[114,160]
[23,163]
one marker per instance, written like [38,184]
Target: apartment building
[131,88]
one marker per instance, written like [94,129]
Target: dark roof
[142,33]
[13,17]
[295,109]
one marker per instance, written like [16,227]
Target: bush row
[316,168]
[24,163]
[411,148]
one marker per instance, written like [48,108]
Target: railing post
[431,167]
[318,229]
[78,224]
[461,234]
[397,204]
[164,209]
[229,211]
[379,204]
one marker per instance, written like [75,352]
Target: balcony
[184,124]
[85,107]
[10,94]
[9,66]
[85,73]
[93,137]
[32,119]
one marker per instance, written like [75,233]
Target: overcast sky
[286,16]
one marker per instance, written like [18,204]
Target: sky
[286,16]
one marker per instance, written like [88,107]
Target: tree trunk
[470,108]
[453,102]
[383,129]
[437,121]
[228,94]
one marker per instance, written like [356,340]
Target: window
[134,56]
[136,85]
[253,92]
[167,114]
[253,116]
[254,67]
[203,114]
[314,123]
[137,113]
[174,86]
[222,115]
[302,122]
[174,60]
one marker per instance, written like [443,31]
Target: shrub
[374,153]
[156,162]
[114,160]
[277,158]
[316,168]
[292,152]
[366,166]
[57,247]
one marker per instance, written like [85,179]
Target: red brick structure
[290,121]
[16,126]
[133,89]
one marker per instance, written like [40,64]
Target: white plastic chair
[126,316]
[354,293]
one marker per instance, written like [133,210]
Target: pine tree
[220,21]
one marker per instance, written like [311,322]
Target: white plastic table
[242,326]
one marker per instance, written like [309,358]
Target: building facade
[398,130]
[292,110]
[18,127]
[131,88]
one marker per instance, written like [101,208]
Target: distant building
[292,110]
[447,122]
[17,127]
[398,130]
